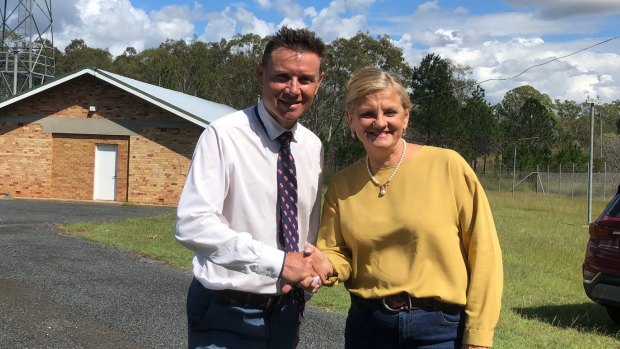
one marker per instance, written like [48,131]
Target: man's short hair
[302,40]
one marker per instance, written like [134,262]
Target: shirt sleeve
[200,224]
[484,258]
[331,242]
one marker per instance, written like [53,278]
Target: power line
[549,61]
[523,72]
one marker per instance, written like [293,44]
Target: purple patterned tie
[287,195]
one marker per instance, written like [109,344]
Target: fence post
[560,189]
[499,179]
[537,178]
[572,182]
[605,182]
[548,187]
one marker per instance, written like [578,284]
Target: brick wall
[158,164]
[73,165]
[73,99]
[152,166]
[25,160]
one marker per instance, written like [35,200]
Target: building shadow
[584,317]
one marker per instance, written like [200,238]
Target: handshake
[308,269]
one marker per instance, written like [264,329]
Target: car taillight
[598,230]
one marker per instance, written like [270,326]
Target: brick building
[94,135]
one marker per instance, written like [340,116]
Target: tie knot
[285,139]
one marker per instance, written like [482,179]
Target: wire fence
[570,183]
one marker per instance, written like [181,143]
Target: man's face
[289,84]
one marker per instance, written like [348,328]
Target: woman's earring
[353,135]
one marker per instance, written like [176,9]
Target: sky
[497,39]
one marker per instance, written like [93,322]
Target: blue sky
[496,39]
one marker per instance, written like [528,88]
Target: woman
[409,231]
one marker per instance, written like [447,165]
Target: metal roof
[196,110]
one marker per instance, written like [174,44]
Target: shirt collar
[271,125]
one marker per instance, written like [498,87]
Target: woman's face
[379,121]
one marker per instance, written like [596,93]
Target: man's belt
[246,299]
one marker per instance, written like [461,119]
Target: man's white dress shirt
[228,213]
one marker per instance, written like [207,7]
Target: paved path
[59,291]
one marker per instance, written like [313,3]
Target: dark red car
[601,267]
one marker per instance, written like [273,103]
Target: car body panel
[601,266]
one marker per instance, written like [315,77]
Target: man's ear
[320,81]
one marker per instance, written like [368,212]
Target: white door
[105,171]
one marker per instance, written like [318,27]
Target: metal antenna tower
[27,46]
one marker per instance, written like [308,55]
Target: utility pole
[591,102]
[600,119]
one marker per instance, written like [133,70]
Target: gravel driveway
[59,291]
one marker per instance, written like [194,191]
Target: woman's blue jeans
[370,325]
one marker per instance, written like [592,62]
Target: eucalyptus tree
[126,63]
[482,132]
[532,130]
[78,55]
[435,115]
[158,66]
[230,70]
[515,98]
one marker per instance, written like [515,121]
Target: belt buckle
[406,306]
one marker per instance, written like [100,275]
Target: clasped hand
[308,269]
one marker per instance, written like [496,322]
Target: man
[236,200]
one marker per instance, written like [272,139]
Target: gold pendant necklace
[383,187]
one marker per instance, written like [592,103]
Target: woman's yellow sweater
[431,235]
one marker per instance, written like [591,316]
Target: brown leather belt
[404,302]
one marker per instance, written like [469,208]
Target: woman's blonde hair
[368,80]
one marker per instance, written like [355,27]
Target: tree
[79,56]
[611,149]
[127,63]
[482,130]
[515,98]
[435,108]
[234,77]
[573,122]
[532,120]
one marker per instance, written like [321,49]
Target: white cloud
[264,3]
[513,63]
[219,26]
[251,24]
[310,12]
[116,24]
[295,23]
[494,44]
[331,24]
[289,8]
[172,22]
[429,6]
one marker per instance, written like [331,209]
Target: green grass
[543,239]
[151,237]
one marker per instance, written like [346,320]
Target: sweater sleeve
[484,259]
[331,242]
